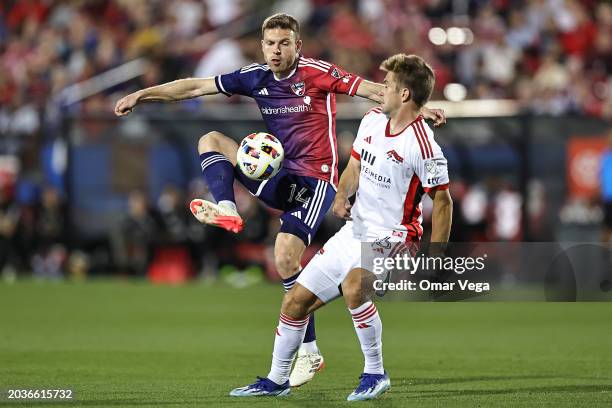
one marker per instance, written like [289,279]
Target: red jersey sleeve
[332,78]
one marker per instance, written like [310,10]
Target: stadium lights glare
[469,36]
[437,35]
[455,92]
[452,35]
[456,36]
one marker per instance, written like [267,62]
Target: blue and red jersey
[299,110]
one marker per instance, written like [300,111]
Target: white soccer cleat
[217,215]
[306,366]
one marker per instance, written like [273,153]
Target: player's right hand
[125,105]
[342,208]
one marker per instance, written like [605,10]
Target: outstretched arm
[370,90]
[374,91]
[349,181]
[168,92]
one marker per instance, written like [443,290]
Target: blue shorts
[303,200]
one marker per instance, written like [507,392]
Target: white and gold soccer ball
[260,156]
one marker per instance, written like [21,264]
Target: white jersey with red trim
[396,170]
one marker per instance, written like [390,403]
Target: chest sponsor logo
[394,157]
[380,180]
[299,88]
[283,110]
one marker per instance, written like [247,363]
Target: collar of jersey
[288,76]
[388,128]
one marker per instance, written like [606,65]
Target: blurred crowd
[553,56]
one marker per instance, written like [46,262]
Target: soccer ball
[260,156]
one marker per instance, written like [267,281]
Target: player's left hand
[436,115]
[342,208]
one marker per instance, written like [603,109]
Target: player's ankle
[308,348]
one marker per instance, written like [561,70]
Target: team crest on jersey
[395,157]
[298,88]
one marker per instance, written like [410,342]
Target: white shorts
[342,253]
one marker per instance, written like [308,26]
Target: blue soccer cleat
[370,387]
[263,387]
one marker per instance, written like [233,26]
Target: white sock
[308,348]
[369,331]
[228,204]
[305,348]
[289,335]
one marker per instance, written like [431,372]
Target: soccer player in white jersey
[395,160]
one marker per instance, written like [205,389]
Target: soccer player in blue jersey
[296,97]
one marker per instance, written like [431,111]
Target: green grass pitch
[126,344]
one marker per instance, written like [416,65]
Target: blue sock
[219,175]
[310,329]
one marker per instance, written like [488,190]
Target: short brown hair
[412,72]
[284,21]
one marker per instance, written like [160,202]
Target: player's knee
[210,142]
[286,264]
[354,294]
[293,307]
